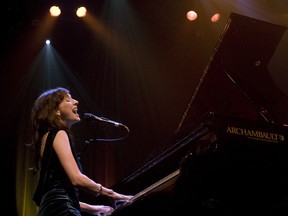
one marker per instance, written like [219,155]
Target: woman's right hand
[99,210]
[117,196]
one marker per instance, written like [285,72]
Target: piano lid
[236,80]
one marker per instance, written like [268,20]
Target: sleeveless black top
[55,195]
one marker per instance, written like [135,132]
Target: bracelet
[100,190]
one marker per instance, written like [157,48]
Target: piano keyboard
[144,192]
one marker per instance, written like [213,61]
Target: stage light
[47,41]
[191,15]
[215,17]
[81,11]
[55,11]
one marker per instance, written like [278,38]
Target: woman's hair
[44,116]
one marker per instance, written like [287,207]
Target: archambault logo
[256,134]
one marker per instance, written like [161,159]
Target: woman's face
[67,111]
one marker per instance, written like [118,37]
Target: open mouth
[75,111]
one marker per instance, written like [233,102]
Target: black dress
[55,195]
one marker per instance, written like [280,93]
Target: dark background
[138,65]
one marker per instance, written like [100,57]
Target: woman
[53,114]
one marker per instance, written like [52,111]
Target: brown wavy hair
[44,116]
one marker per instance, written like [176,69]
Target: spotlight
[191,15]
[47,41]
[55,11]
[81,11]
[215,17]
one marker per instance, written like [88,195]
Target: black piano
[225,166]
[230,151]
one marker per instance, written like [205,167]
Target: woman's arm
[63,150]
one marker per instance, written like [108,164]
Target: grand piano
[230,150]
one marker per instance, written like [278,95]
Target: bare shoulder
[61,134]
[61,140]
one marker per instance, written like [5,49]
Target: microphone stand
[108,122]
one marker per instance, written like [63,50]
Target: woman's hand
[117,196]
[119,199]
[95,209]
[100,209]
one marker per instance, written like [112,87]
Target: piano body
[226,166]
[230,155]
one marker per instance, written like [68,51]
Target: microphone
[91,116]
[102,119]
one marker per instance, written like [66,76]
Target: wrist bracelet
[100,190]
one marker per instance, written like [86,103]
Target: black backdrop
[139,67]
